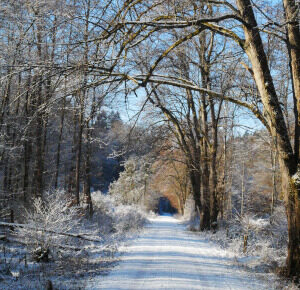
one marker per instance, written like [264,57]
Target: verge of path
[166,256]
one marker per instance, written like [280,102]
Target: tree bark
[27,144]
[62,118]
[38,100]
[214,194]
[291,14]
[288,164]
[78,154]
[206,194]
[87,173]
[195,178]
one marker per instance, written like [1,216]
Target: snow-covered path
[166,256]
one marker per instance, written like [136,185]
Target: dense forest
[193,102]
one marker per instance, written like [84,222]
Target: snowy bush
[103,202]
[113,215]
[72,258]
[266,236]
[266,239]
[103,212]
[128,217]
[278,225]
[47,217]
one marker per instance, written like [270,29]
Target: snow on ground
[72,261]
[166,256]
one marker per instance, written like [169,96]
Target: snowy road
[166,256]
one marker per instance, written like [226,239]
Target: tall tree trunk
[206,198]
[27,143]
[61,128]
[293,198]
[195,178]
[71,174]
[78,154]
[194,157]
[205,211]
[6,113]
[82,96]
[293,46]
[273,156]
[39,162]
[87,174]
[243,190]
[288,164]
[214,204]
[224,197]
[291,15]
[17,170]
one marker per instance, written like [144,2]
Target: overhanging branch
[253,108]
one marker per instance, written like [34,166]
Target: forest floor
[167,256]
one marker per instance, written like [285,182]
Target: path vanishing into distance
[166,256]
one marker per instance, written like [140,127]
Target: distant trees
[135,184]
[249,37]
[255,174]
[171,176]
[131,186]
[48,103]
[189,59]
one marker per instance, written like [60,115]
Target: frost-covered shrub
[46,218]
[128,217]
[103,202]
[266,239]
[103,212]
[114,216]
[73,257]
[278,227]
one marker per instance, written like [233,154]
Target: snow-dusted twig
[60,246]
[79,236]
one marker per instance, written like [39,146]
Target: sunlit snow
[166,256]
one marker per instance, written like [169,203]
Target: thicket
[60,244]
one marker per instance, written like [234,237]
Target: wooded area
[215,90]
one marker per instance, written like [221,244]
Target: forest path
[166,256]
